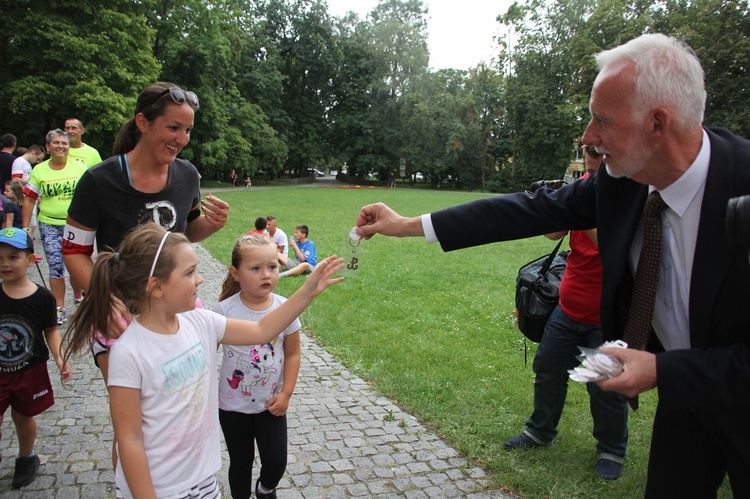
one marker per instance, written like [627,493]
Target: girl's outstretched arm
[125,407]
[240,332]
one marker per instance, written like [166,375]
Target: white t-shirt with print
[251,376]
[176,377]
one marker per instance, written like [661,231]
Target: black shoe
[523,441]
[260,495]
[26,468]
[608,469]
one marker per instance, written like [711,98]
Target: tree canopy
[285,86]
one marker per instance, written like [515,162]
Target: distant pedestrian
[256,382]
[233,177]
[248,182]
[28,324]
[162,386]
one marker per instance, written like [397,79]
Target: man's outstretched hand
[379,218]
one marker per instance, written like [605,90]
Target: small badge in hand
[351,252]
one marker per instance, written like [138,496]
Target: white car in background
[313,172]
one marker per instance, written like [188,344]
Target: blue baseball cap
[18,238]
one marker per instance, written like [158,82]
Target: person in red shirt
[575,322]
[260,227]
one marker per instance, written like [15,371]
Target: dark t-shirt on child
[22,325]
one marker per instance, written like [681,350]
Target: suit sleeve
[517,216]
[696,380]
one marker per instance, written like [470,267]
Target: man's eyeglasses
[178,95]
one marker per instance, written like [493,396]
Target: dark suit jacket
[715,373]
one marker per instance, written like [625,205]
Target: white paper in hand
[596,365]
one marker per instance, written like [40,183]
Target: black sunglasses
[178,95]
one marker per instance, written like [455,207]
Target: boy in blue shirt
[306,256]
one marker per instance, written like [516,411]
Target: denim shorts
[51,236]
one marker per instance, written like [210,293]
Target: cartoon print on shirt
[16,343]
[258,370]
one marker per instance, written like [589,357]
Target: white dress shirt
[680,221]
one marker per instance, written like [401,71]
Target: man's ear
[660,121]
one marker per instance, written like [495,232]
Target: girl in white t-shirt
[256,382]
[162,382]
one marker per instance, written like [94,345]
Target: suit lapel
[619,208]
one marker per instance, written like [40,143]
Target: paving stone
[340,444]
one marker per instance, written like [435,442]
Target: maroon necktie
[641,315]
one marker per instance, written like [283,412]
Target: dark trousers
[555,355]
[691,453]
[241,433]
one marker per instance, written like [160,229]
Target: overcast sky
[460,31]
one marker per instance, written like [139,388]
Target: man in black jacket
[647,108]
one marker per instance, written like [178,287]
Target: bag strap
[125,167]
[544,270]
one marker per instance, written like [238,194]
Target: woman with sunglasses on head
[143,181]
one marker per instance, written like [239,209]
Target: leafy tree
[431,125]
[257,65]
[285,86]
[399,41]
[542,116]
[193,45]
[85,59]
[718,32]
[352,132]
[302,33]
[486,85]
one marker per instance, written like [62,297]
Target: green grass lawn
[434,332]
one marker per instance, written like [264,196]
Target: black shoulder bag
[538,291]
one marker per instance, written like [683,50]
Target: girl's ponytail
[229,287]
[127,138]
[122,276]
[93,314]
